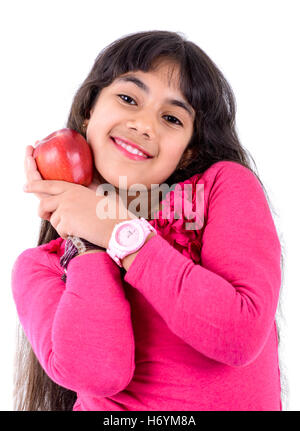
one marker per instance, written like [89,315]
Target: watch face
[127,235]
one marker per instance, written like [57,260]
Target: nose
[143,124]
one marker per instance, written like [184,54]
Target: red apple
[66,156]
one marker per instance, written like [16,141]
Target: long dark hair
[214,139]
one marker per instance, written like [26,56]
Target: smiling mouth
[130,152]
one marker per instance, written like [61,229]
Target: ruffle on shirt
[173,221]
[55,246]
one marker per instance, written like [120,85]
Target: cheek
[95,135]
[101,126]
[172,153]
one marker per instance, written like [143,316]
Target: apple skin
[66,156]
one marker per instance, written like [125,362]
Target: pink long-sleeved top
[191,325]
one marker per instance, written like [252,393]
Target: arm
[80,331]
[226,307]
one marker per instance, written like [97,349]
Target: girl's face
[148,110]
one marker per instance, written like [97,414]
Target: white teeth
[129,148]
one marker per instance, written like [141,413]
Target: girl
[187,322]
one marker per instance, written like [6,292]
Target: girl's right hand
[31,171]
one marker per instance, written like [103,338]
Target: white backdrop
[47,49]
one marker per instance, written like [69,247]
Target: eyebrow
[144,87]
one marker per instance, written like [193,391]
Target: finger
[93,186]
[56,222]
[59,229]
[47,207]
[31,171]
[52,187]
[28,153]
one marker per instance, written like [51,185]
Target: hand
[69,207]
[71,210]
[32,173]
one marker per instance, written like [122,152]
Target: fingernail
[25,188]
[28,161]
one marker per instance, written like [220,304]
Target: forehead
[165,70]
[169,71]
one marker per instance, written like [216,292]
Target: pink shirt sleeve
[225,307]
[81,331]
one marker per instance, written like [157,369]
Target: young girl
[187,321]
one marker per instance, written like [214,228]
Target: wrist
[109,232]
[91,251]
[127,238]
[74,247]
[128,260]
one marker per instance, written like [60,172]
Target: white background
[47,49]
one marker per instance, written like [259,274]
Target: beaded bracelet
[73,247]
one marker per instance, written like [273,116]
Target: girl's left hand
[71,210]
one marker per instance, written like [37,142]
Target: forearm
[128,260]
[95,310]
[219,319]
[80,331]
[224,307]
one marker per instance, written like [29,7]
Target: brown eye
[171,119]
[124,96]
[179,123]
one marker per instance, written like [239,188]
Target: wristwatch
[73,247]
[128,237]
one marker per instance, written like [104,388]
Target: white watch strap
[117,255]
